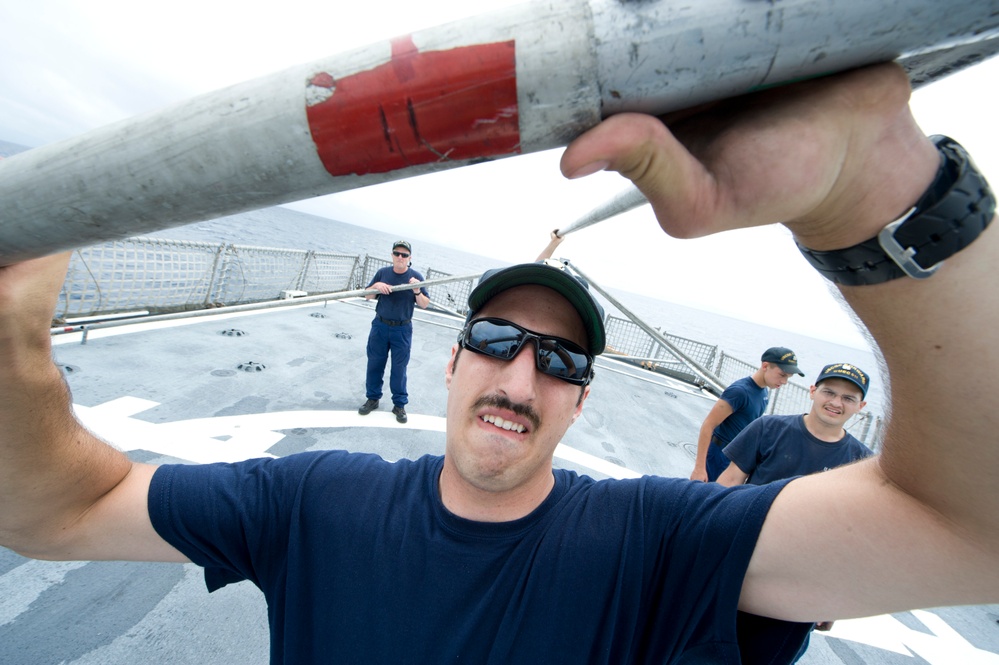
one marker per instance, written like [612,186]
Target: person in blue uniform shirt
[741,403]
[392,330]
[777,447]
[773,448]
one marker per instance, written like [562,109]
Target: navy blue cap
[555,275]
[784,358]
[848,372]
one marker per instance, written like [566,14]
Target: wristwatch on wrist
[953,212]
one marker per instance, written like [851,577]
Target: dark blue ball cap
[784,358]
[555,275]
[846,371]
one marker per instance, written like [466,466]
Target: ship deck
[276,382]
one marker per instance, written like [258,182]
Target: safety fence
[161,276]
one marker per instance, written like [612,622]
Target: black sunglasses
[401,254]
[554,356]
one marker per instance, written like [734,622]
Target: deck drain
[252,366]
[343,335]
[232,332]
[318,315]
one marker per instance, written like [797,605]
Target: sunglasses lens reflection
[553,356]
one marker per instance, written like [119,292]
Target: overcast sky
[67,67]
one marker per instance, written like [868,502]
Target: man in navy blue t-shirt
[741,403]
[778,447]
[392,330]
[773,448]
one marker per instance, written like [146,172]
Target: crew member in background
[777,447]
[392,330]
[741,403]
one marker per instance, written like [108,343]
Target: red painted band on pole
[417,108]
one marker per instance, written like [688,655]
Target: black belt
[389,322]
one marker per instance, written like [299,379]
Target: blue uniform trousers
[382,340]
[717,461]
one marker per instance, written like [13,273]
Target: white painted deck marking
[569,454]
[945,646]
[235,438]
[28,581]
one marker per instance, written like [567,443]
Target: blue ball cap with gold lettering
[848,372]
[783,358]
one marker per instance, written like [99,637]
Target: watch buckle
[903,256]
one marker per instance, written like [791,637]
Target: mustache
[501,402]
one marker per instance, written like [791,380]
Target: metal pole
[249,307]
[713,381]
[527,78]
[623,202]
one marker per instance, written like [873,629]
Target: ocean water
[288,229]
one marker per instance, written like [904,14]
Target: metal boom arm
[525,79]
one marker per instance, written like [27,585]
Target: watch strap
[953,211]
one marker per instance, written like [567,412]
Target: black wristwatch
[953,212]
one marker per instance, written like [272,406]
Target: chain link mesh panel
[731,368]
[326,272]
[368,269]
[253,274]
[452,296]
[139,273]
[173,275]
[626,338]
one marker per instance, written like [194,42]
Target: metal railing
[164,276]
[161,276]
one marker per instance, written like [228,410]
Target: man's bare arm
[732,476]
[65,494]
[716,416]
[552,245]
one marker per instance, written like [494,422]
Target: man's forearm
[732,476]
[935,335]
[703,443]
[936,338]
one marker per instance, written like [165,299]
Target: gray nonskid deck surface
[152,388]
